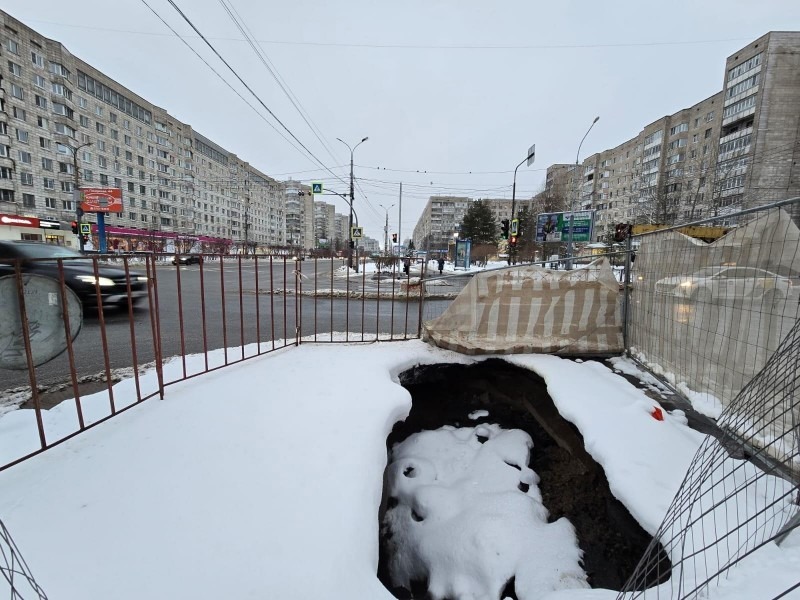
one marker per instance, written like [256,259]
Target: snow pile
[465,514]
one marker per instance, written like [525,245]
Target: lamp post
[76,194]
[529,160]
[386,229]
[352,199]
[572,204]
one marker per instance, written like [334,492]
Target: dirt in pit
[572,484]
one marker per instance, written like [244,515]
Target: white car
[720,284]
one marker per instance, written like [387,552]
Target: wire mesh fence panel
[742,489]
[707,316]
[18,576]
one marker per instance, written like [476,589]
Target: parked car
[79,273]
[726,284]
[187,259]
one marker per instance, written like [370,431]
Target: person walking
[441,265]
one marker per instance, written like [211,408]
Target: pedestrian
[441,265]
[406,266]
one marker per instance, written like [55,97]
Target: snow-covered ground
[264,479]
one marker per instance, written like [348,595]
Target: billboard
[554,227]
[101,200]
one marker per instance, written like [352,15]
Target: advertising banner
[101,200]
[554,227]
[463,250]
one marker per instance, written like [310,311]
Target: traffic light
[513,241]
[394,238]
[621,232]
[75,227]
[85,239]
[504,228]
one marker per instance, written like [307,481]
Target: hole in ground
[572,484]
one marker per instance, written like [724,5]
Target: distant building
[439,221]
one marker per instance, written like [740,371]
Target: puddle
[572,484]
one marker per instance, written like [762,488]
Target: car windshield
[46,251]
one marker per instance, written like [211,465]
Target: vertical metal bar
[626,294]
[224,311]
[331,298]
[405,325]
[180,316]
[298,313]
[363,293]
[258,307]
[103,336]
[26,339]
[315,298]
[421,295]
[241,307]
[203,312]
[133,331]
[155,324]
[391,321]
[62,289]
[378,306]
[272,299]
[285,336]
[347,306]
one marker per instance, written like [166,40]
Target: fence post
[626,299]
[421,296]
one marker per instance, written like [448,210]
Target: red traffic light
[513,240]
[394,238]
[74,227]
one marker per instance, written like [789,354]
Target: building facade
[439,221]
[63,125]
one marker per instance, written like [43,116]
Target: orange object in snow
[657,414]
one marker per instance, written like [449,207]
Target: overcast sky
[457,89]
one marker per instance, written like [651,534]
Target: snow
[264,480]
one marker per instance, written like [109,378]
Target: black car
[187,259]
[79,273]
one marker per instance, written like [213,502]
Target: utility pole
[76,194]
[352,199]
[386,229]
[400,216]
[529,160]
[572,208]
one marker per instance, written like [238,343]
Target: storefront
[16,227]
[129,239]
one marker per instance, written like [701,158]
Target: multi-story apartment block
[439,221]
[62,122]
[324,224]
[299,204]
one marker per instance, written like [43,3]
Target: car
[187,259]
[79,272]
[721,283]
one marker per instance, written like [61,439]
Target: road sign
[86,229]
[357,232]
[316,187]
[515,227]
[531,154]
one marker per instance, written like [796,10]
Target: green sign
[86,229]
[554,227]
[316,187]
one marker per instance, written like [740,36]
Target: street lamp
[572,203]
[352,199]
[386,229]
[529,160]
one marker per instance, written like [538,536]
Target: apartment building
[733,150]
[299,203]
[62,122]
[439,221]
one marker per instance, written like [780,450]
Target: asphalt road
[217,306]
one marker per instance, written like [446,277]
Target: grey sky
[427,81]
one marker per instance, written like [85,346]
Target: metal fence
[189,318]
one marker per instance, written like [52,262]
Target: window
[114,134]
[17,91]
[38,81]
[129,171]
[740,106]
[679,128]
[84,120]
[101,145]
[103,179]
[742,86]
[26,178]
[710,116]
[132,216]
[82,102]
[29,201]
[707,134]
[63,109]
[24,157]
[66,186]
[101,129]
[102,162]
[59,69]
[65,168]
[744,67]
[88,175]
[128,140]
[43,122]
[47,164]
[14,69]
[65,130]
[143,191]
[49,183]
[12,46]
[37,59]
[50,203]
[68,204]
[112,116]
[98,110]
[22,136]
[7,195]
[6,173]
[40,101]
[19,113]
[131,187]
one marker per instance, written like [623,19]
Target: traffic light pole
[76,193]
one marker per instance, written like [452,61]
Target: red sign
[101,200]
[17,221]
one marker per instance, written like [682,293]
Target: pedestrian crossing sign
[316,187]
[357,232]
[86,228]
